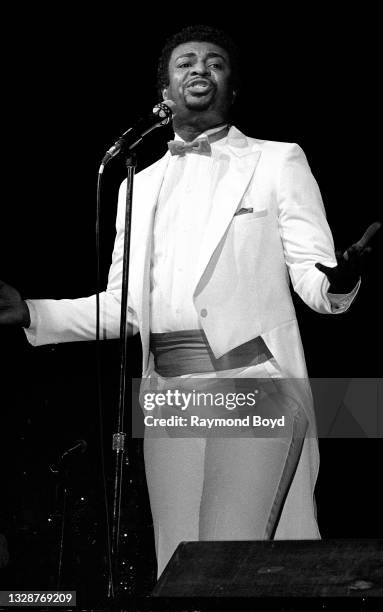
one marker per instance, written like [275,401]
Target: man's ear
[165,94]
[234,96]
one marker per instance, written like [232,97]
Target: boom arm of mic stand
[125,382]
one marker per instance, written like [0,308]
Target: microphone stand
[119,437]
[63,485]
[163,115]
[61,471]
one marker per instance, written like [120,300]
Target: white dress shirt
[182,214]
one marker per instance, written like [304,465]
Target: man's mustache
[201,80]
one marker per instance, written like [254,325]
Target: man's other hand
[13,309]
[344,276]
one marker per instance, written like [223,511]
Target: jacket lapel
[232,174]
[145,200]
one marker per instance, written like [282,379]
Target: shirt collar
[209,132]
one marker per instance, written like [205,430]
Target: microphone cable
[99,386]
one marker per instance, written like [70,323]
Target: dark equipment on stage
[351,569]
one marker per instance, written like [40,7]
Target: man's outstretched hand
[13,309]
[344,276]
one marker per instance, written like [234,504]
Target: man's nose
[200,68]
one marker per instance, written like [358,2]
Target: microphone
[160,115]
[79,446]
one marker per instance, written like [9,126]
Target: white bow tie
[199,145]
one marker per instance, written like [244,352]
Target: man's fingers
[365,253]
[358,247]
[368,234]
[353,252]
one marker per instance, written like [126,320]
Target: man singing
[220,226]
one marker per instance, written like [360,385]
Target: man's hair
[197,33]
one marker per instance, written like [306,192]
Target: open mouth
[199,86]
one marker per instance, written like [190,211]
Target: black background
[73,84]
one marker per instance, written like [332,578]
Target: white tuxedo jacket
[242,275]
[241,278]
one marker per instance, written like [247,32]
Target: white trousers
[230,488]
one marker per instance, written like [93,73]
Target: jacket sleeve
[72,320]
[306,235]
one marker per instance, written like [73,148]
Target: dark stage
[74,86]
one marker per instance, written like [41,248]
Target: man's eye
[214,65]
[184,65]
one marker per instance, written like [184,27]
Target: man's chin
[200,103]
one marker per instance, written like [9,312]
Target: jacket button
[203,312]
